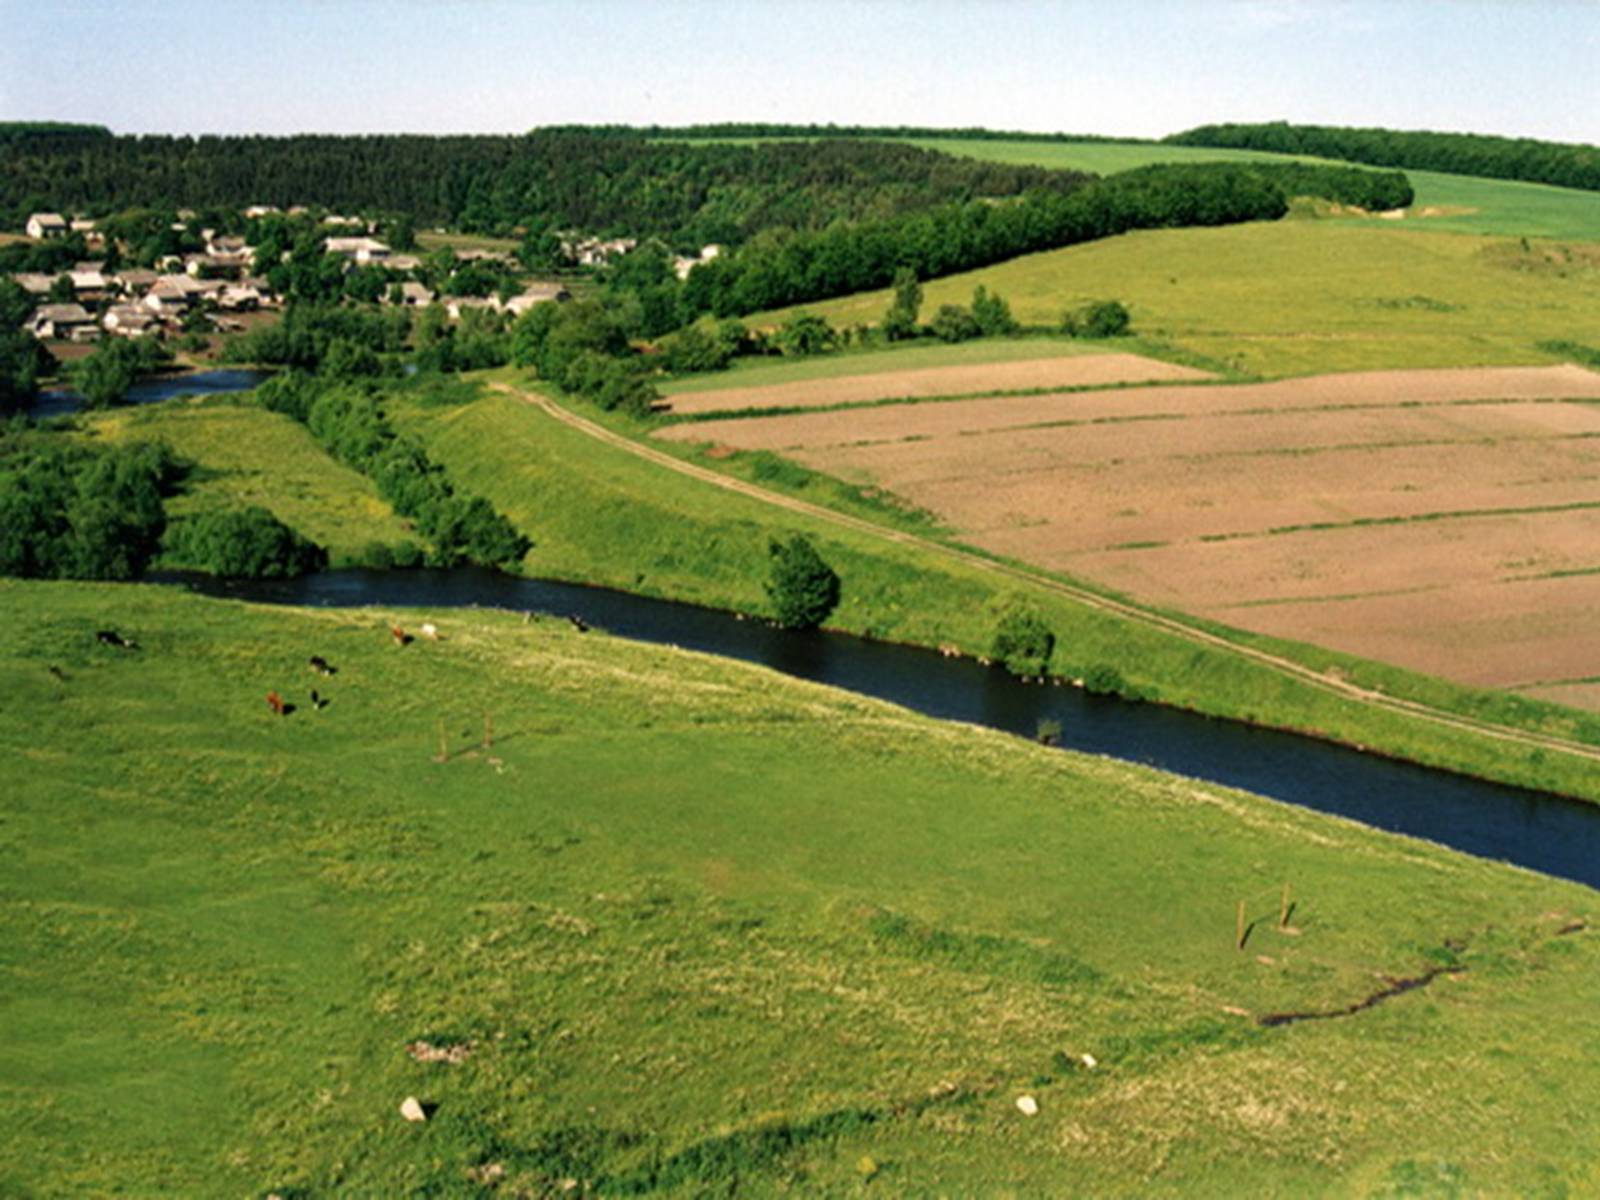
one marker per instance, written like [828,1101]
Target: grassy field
[1469,204]
[599,515]
[697,928]
[248,455]
[1295,297]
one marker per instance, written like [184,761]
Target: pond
[1541,832]
[60,401]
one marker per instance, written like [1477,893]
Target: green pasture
[597,514]
[907,356]
[699,929]
[1294,297]
[246,455]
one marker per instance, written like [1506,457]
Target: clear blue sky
[1143,68]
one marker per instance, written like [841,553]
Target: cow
[321,666]
[400,636]
[110,637]
[276,704]
[578,623]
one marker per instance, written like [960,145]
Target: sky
[1140,68]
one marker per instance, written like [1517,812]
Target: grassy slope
[701,924]
[599,515]
[1292,297]
[248,455]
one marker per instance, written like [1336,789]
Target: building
[536,293]
[46,225]
[362,250]
[65,322]
[130,321]
[412,295]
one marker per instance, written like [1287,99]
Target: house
[402,262]
[69,322]
[456,305]
[88,283]
[81,225]
[412,295]
[34,283]
[257,211]
[240,297]
[46,225]
[130,321]
[593,252]
[344,222]
[536,293]
[682,266]
[362,250]
[134,281]
[166,298]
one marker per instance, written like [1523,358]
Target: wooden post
[1238,938]
[1283,909]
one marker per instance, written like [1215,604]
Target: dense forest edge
[1527,160]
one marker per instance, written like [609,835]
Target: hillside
[710,926]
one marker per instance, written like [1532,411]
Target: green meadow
[246,455]
[1296,297]
[690,928]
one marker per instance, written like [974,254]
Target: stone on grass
[411,1109]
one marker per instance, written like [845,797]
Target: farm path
[1093,600]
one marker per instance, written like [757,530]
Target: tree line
[690,194]
[1563,164]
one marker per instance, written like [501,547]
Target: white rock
[1089,1061]
[1027,1106]
[411,1109]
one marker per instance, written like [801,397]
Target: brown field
[1082,370]
[1447,521]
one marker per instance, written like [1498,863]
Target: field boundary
[1093,600]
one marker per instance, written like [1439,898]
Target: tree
[900,322]
[806,333]
[992,314]
[105,376]
[248,543]
[952,323]
[802,587]
[1102,319]
[1022,641]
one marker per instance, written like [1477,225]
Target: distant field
[247,455]
[1471,205]
[1297,297]
[1074,369]
[430,239]
[694,927]
[1448,521]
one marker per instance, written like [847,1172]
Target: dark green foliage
[354,339]
[952,323]
[350,423]
[992,314]
[900,322]
[67,512]
[805,334]
[104,377]
[1577,352]
[1103,679]
[22,361]
[693,350]
[1560,163]
[803,588]
[1101,319]
[247,543]
[1022,641]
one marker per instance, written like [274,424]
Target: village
[216,287]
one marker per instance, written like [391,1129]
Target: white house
[68,321]
[682,266]
[536,293]
[362,250]
[130,321]
[47,225]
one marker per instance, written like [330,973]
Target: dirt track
[1327,683]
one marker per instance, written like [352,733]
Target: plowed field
[1447,521]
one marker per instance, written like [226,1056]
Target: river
[1541,832]
[58,402]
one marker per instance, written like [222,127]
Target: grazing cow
[110,637]
[318,702]
[400,636]
[321,666]
[578,623]
[431,631]
[58,673]
[275,703]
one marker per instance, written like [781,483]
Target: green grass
[708,929]
[907,356]
[247,455]
[599,515]
[1294,297]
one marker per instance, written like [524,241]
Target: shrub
[992,314]
[952,323]
[1102,679]
[802,587]
[1102,319]
[1022,641]
[805,333]
[247,543]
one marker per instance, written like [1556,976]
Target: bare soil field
[1446,521]
[1079,370]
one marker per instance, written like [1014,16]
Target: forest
[1526,159]
[687,194]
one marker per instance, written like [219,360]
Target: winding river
[58,402]
[1541,832]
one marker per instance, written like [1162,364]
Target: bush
[1022,641]
[1102,319]
[992,314]
[247,543]
[802,587]
[952,323]
[1102,679]
[805,334]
